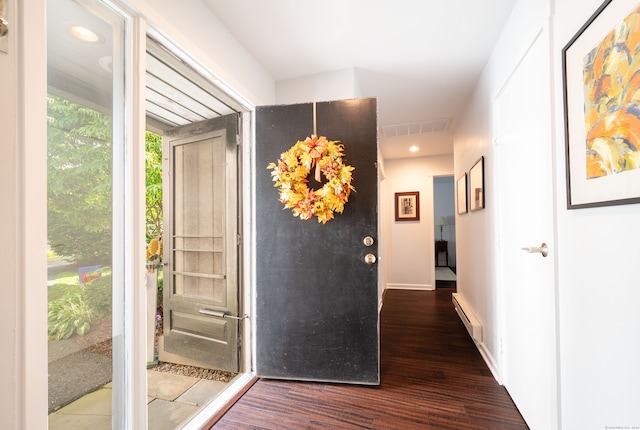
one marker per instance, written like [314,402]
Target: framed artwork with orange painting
[601,71]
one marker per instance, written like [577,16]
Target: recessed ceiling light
[83,33]
[414,148]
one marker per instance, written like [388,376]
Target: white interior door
[526,221]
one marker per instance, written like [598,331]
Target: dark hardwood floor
[432,376]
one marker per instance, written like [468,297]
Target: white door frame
[246,196]
[24,402]
[23,185]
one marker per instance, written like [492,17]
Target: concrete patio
[171,400]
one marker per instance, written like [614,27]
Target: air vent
[416,128]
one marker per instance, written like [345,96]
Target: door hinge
[238,240]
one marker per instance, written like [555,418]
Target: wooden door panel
[200,235]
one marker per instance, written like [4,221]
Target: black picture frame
[596,172]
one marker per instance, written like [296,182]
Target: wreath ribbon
[318,148]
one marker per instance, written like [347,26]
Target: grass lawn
[65,282]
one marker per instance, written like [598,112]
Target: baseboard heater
[468,319]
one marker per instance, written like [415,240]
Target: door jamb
[247,240]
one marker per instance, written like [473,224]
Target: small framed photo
[461,191]
[602,123]
[476,185]
[408,206]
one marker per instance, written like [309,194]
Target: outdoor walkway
[171,400]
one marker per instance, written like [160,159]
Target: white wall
[410,259]
[476,253]
[598,285]
[336,85]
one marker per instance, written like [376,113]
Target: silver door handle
[220,314]
[370,258]
[542,249]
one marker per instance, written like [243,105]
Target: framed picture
[602,119]
[476,185]
[408,206]
[461,191]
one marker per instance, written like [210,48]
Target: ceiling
[420,58]
[82,71]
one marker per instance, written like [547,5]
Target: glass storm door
[86,142]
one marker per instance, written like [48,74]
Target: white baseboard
[490,360]
[427,287]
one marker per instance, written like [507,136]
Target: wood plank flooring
[432,377]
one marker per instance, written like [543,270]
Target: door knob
[542,249]
[370,258]
[368,241]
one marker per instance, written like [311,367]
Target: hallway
[432,376]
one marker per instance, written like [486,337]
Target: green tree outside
[153,166]
[79,143]
[79,182]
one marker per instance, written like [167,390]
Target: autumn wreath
[291,171]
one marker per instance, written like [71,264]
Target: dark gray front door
[201,231]
[316,297]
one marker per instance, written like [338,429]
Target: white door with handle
[525,217]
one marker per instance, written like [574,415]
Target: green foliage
[66,282]
[68,278]
[153,167]
[68,315]
[79,144]
[98,294]
[79,182]
[58,290]
[160,286]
